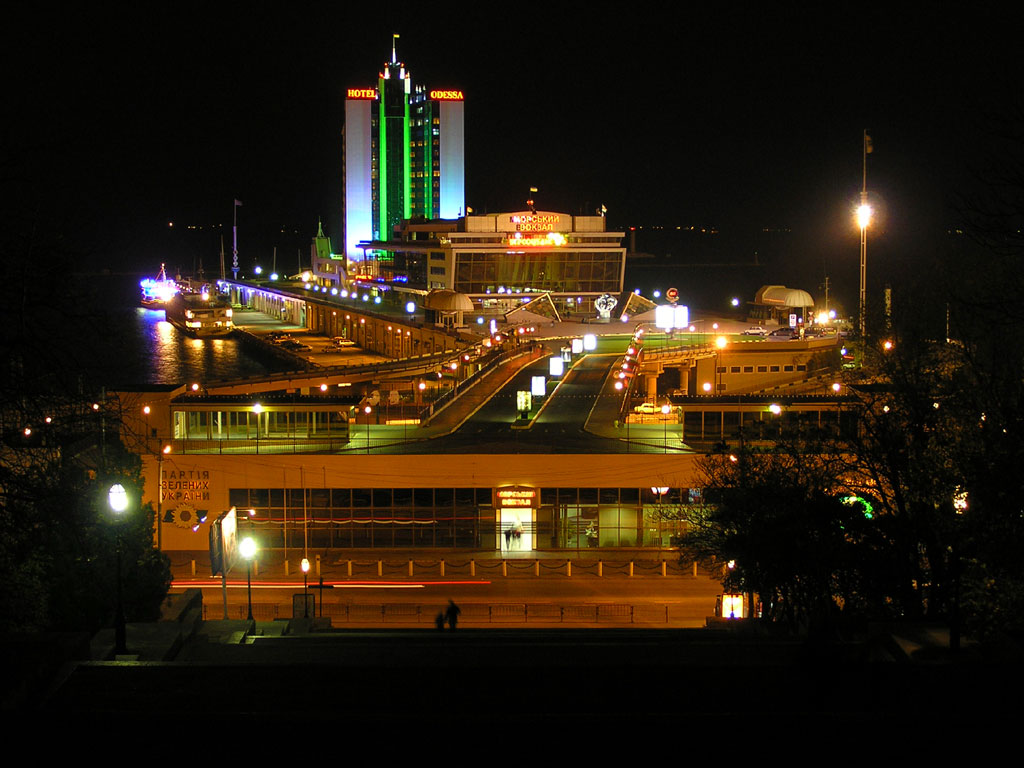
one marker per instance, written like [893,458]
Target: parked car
[648,407]
[755,330]
[783,333]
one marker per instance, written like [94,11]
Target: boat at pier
[156,292]
[200,313]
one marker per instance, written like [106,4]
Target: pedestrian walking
[452,614]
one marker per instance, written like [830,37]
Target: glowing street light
[721,342]
[248,550]
[305,587]
[117,499]
[863,220]
[863,215]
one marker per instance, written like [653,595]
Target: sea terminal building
[457,502]
[294,470]
[500,261]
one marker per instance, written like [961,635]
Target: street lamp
[248,550]
[863,220]
[257,408]
[666,409]
[721,342]
[305,587]
[367,410]
[117,498]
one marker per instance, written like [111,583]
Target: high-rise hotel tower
[403,156]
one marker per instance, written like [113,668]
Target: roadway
[520,598]
[578,416]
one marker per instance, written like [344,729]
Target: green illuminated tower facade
[391,134]
[403,156]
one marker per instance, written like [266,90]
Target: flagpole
[234,232]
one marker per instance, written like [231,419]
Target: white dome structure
[781,296]
[442,300]
[446,308]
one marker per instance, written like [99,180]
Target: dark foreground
[378,681]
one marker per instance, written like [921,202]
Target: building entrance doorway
[515,529]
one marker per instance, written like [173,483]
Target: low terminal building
[294,473]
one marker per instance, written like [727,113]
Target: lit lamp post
[863,220]
[959,507]
[776,410]
[117,498]
[665,411]
[721,342]
[305,587]
[837,388]
[248,550]
[257,408]
[367,410]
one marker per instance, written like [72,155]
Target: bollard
[318,565]
[600,568]
[504,568]
[193,567]
[380,568]
[472,567]
[285,567]
[695,569]
[568,568]
[350,569]
[410,566]
[442,566]
[536,567]
[631,569]
[663,571]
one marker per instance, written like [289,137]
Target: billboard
[224,543]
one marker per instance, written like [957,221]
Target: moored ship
[201,313]
[158,291]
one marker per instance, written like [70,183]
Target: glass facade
[465,518]
[552,270]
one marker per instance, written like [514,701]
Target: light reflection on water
[169,356]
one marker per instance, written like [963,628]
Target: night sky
[120,120]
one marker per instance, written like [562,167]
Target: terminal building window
[556,519]
[554,271]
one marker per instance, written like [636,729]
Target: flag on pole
[238,202]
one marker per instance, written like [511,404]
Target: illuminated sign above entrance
[516,497]
[446,95]
[361,93]
[549,239]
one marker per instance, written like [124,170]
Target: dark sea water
[142,348]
